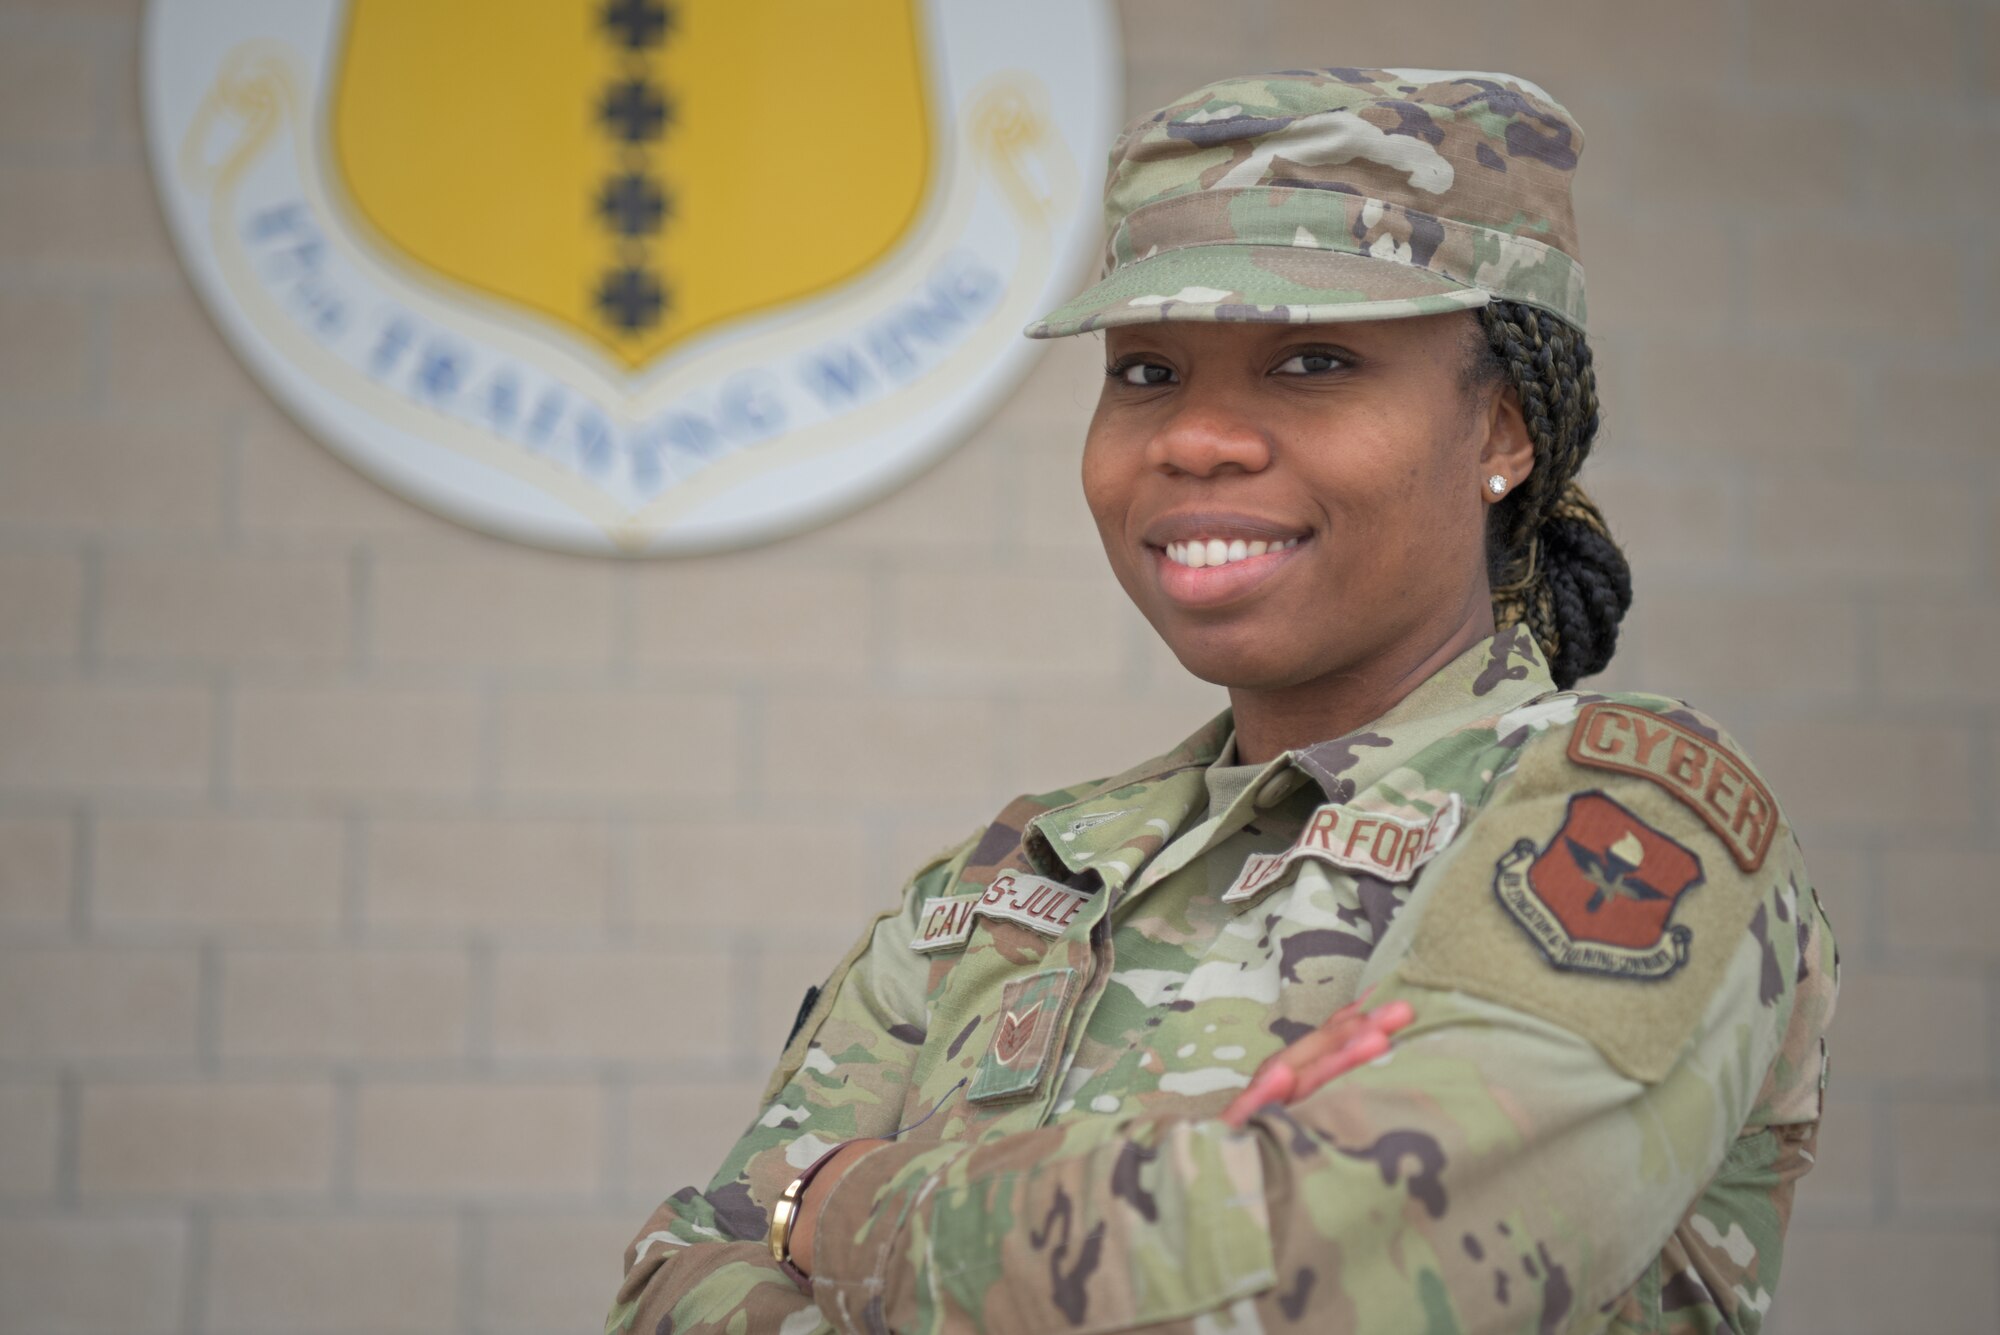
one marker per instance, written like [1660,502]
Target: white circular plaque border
[510,424]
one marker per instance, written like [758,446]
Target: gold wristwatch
[785,1213]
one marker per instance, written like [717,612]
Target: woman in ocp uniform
[1420,990]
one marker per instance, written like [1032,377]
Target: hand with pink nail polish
[1350,1037]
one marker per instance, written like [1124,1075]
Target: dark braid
[1550,557]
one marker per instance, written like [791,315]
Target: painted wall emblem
[628,275]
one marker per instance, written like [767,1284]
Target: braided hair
[1550,558]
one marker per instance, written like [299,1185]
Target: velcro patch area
[1035,902]
[1390,848]
[1709,778]
[944,924]
[1588,907]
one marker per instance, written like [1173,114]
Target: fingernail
[1396,1014]
[1363,1052]
[1363,1048]
[1271,1086]
[1275,1086]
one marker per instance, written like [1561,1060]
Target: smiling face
[1302,506]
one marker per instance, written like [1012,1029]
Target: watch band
[785,1214]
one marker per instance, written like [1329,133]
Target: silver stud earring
[1497,485]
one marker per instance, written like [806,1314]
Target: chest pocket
[1308,932]
[1272,971]
[1327,915]
[1002,995]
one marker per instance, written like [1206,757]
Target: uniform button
[1276,788]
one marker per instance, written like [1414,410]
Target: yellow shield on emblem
[635,170]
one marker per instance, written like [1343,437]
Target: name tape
[1032,901]
[1390,848]
[1042,905]
[944,924]
[1706,777]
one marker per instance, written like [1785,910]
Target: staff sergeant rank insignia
[1598,897]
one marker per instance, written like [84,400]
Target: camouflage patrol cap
[1338,194]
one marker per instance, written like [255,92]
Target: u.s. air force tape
[1034,902]
[1390,848]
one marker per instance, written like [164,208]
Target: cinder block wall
[389,917]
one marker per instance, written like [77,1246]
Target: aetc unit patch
[1599,896]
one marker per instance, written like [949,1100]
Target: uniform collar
[1493,676]
[1118,824]
[1121,823]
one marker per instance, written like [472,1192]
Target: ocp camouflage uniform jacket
[1621,981]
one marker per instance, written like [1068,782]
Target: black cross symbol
[632,205]
[634,110]
[631,299]
[637,23]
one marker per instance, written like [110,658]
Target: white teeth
[1199,553]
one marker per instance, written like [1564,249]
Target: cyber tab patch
[1598,898]
[1707,777]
